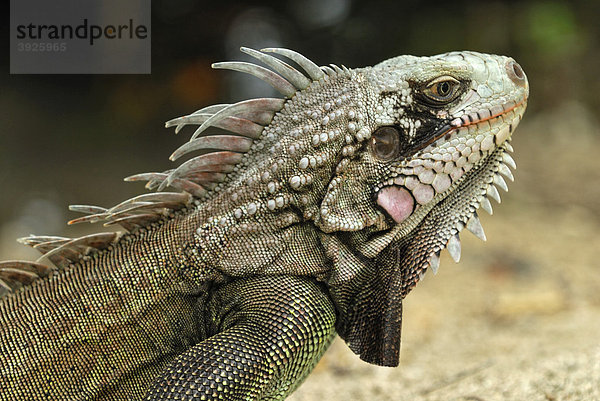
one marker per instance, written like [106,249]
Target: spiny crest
[135,212]
[60,251]
[196,177]
[244,120]
[131,214]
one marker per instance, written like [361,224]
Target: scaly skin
[317,218]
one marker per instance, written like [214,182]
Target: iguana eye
[385,143]
[442,90]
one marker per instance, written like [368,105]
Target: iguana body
[316,215]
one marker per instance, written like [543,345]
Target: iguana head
[420,125]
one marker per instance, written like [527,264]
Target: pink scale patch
[397,201]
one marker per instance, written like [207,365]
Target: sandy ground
[519,317]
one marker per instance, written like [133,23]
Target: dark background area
[518,317]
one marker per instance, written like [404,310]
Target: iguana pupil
[443,89]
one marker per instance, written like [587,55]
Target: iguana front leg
[271,331]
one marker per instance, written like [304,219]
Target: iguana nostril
[515,72]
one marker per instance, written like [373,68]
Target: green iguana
[315,214]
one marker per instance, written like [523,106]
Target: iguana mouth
[402,195]
[475,118]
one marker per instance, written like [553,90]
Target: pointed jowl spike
[486,205]
[499,181]
[453,247]
[474,225]
[492,192]
[507,159]
[434,262]
[505,171]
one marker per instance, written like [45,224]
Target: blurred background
[518,318]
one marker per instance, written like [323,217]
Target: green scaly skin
[317,219]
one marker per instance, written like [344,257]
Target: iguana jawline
[459,122]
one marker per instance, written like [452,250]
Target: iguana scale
[315,214]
